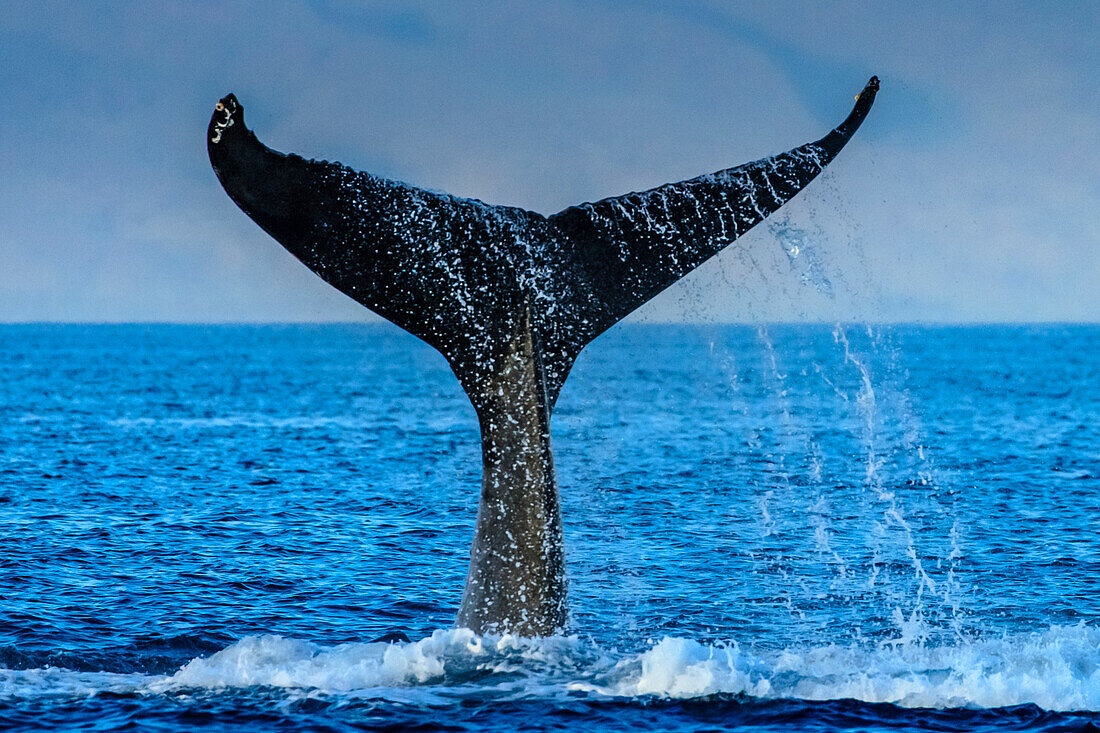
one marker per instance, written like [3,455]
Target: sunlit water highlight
[805,527]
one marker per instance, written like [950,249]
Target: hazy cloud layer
[971,193]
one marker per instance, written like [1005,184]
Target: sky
[971,193]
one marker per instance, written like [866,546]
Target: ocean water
[767,528]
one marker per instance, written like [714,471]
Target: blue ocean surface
[767,528]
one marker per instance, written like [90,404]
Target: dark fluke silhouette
[509,297]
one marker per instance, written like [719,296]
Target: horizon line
[387,324]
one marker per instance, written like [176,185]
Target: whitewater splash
[1058,670]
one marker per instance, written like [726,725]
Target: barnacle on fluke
[509,297]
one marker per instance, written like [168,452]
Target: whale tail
[510,298]
[630,248]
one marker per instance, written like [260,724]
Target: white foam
[278,662]
[64,683]
[1058,669]
[446,657]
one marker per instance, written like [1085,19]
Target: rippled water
[776,527]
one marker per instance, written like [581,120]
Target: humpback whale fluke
[509,297]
